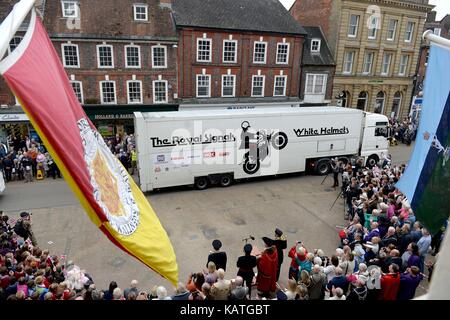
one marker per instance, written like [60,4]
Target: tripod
[325,178]
[339,195]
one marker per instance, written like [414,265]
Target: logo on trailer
[110,182]
[258,145]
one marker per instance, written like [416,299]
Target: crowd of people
[381,256]
[123,146]
[404,131]
[24,159]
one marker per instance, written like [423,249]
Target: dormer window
[140,12]
[315,45]
[69,9]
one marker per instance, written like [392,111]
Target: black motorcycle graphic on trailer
[258,144]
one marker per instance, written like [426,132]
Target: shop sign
[113,116]
[12,117]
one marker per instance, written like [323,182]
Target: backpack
[19,229]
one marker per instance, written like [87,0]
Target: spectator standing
[217,256]
[424,245]
[390,283]
[267,270]
[246,264]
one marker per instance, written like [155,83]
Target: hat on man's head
[278,232]
[24,214]
[248,248]
[267,241]
[217,244]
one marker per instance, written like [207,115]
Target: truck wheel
[251,168]
[279,140]
[226,180]
[201,183]
[372,161]
[323,167]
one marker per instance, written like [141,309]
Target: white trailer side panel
[175,147]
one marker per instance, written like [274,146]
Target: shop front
[110,120]
[16,124]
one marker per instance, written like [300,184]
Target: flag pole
[12,23]
[430,36]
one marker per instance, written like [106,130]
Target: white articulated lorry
[206,147]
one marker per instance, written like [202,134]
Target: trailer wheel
[251,168]
[372,161]
[322,167]
[226,180]
[201,183]
[279,140]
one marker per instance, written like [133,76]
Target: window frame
[15,44]
[318,46]
[234,85]
[275,82]
[265,52]
[235,50]
[372,54]
[390,55]
[165,57]
[75,3]
[374,36]
[98,56]
[439,33]
[81,90]
[315,76]
[128,92]
[345,62]
[101,92]
[209,85]
[350,35]
[126,56]
[154,91]
[263,85]
[400,73]
[412,23]
[287,53]
[210,49]
[63,45]
[141,6]
[394,31]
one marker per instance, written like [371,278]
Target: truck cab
[374,142]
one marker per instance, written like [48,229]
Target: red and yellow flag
[109,195]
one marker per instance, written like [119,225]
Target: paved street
[298,204]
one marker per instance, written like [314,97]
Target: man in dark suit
[281,243]
[218,257]
[246,264]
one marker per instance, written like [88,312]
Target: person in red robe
[390,283]
[267,270]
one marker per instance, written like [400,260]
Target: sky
[442,6]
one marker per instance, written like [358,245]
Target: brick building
[12,117]
[318,66]
[375,44]
[116,53]
[237,51]
[120,56]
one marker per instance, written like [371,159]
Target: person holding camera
[23,228]
[335,168]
